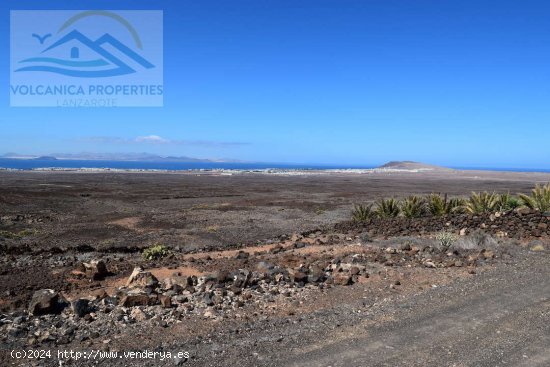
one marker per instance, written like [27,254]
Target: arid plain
[269,269]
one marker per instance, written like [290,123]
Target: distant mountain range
[141,157]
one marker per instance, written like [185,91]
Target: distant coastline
[49,164]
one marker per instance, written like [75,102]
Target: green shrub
[413,207]
[155,252]
[16,235]
[438,205]
[507,202]
[539,199]
[482,202]
[446,239]
[362,213]
[387,208]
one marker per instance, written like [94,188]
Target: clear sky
[451,82]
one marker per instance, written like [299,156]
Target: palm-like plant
[413,207]
[362,213]
[438,205]
[387,208]
[539,199]
[482,202]
[506,202]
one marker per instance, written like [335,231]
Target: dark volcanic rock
[138,299]
[81,307]
[96,269]
[342,279]
[46,301]
[297,276]
[142,279]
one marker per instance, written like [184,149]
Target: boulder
[138,315]
[142,279]
[165,301]
[297,276]
[96,269]
[46,301]
[81,307]
[138,299]
[342,279]
[241,278]
[316,275]
[523,211]
[208,299]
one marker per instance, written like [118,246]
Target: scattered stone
[488,254]
[179,361]
[165,301]
[316,275]
[81,307]
[405,247]
[297,276]
[96,269]
[45,301]
[137,314]
[242,255]
[138,299]
[342,279]
[523,211]
[142,279]
[210,313]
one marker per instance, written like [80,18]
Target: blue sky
[453,82]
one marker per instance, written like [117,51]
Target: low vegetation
[155,252]
[507,202]
[440,205]
[362,213]
[16,235]
[482,202]
[413,207]
[539,198]
[446,239]
[387,208]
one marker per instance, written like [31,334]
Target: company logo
[86,58]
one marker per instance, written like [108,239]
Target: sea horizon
[44,164]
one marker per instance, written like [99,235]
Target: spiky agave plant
[482,202]
[387,208]
[362,213]
[507,202]
[438,205]
[413,206]
[539,199]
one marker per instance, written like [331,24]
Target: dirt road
[501,318]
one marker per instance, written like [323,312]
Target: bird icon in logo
[43,38]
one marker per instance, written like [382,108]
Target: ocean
[30,164]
